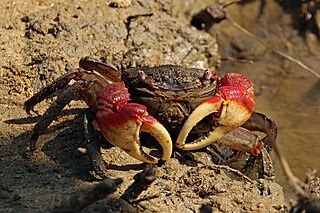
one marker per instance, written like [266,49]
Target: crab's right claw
[231,107]
[210,106]
[122,128]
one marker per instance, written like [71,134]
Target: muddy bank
[286,92]
[42,40]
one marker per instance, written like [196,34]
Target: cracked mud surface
[41,40]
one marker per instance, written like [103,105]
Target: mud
[40,40]
[286,92]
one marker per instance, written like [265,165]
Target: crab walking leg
[123,128]
[243,140]
[259,122]
[51,114]
[56,85]
[105,70]
[235,106]
[93,151]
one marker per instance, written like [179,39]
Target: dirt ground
[41,40]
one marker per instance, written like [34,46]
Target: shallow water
[285,92]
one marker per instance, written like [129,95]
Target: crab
[188,108]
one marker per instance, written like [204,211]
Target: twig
[84,198]
[230,3]
[307,202]
[296,183]
[248,61]
[297,62]
[227,168]
[141,182]
[288,57]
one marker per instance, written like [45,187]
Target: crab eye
[207,75]
[141,75]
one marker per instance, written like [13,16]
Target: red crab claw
[121,123]
[231,106]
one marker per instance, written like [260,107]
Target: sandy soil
[40,40]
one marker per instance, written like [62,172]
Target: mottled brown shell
[170,92]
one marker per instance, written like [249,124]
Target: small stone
[120,3]
[82,150]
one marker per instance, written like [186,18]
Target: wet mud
[41,40]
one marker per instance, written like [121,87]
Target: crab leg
[93,150]
[243,140]
[121,123]
[231,107]
[99,76]
[56,85]
[55,109]
[105,70]
[259,122]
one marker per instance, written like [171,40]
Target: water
[285,92]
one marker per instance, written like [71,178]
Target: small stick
[248,61]
[81,199]
[230,3]
[296,183]
[290,58]
[306,201]
[227,168]
[141,182]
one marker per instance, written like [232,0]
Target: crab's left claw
[123,128]
[231,107]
